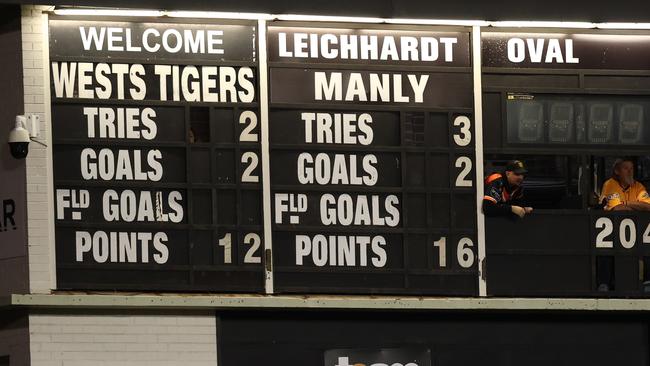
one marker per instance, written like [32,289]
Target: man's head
[623,171]
[515,171]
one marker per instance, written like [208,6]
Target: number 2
[254,241]
[607,226]
[251,159]
[465,163]
[247,134]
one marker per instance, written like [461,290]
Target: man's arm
[504,209]
[643,199]
[638,206]
[493,204]
[611,198]
[621,207]
[518,200]
[493,208]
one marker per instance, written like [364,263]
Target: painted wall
[13,215]
[14,337]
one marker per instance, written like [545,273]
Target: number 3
[465,124]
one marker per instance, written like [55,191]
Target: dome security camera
[19,139]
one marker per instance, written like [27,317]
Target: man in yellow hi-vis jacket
[621,192]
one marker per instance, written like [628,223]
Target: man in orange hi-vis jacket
[621,192]
[503,191]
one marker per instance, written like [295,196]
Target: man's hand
[519,211]
[528,209]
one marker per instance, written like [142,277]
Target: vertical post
[47,114]
[266,176]
[478,156]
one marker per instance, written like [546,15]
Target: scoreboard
[156,155]
[342,158]
[371,149]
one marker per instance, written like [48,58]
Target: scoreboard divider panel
[478,158]
[267,257]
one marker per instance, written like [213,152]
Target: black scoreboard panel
[573,101]
[622,251]
[372,160]
[156,155]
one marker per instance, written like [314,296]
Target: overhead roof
[557,10]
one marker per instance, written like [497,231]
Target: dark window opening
[605,280]
[199,125]
[603,166]
[552,182]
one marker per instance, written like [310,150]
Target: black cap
[516,166]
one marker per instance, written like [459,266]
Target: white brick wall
[39,168]
[125,340]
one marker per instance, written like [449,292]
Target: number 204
[627,234]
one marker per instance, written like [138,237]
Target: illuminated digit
[627,240]
[226,243]
[248,118]
[607,226]
[254,241]
[465,124]
[251,159]
[464,252]
[442,251]
[465,163]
